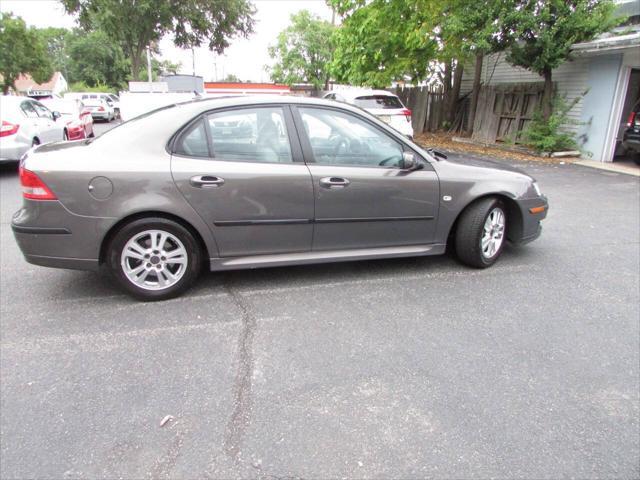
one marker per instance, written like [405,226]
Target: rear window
[378,101]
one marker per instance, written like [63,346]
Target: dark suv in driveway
[631,136]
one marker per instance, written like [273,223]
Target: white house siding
[570,78]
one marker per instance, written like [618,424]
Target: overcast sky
[245,58]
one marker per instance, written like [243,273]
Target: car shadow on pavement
[90,286]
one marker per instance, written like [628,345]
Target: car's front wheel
[481,233]
[154,258]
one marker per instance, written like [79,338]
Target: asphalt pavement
[388,369]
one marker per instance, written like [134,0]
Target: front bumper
[51,236]
[531,212]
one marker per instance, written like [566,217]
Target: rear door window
[28,109]
[250,135]
[43,112]
[378,101]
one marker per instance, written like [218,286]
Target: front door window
[339,138]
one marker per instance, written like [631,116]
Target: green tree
[136,24]
[384,40]
[469,32]
[55,41]
[231,78]
[22,52]
[95,60]
[545,30]
[303,51]
[158,68]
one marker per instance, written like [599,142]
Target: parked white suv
[25,123]
[384,105]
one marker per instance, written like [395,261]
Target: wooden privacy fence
[427,105]
[504,111]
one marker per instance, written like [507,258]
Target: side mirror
[409,162]
[56,115]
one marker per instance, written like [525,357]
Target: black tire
[636,157]
[35,142]
[470,229]
[136,227]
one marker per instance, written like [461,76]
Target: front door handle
[334,182]
[206,181]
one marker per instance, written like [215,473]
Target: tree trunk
[135,66]
[444,114]
[475,92]
[547,95]
[447,77]
[5,88]
[455,92]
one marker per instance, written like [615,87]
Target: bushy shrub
[552,135]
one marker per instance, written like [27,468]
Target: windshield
[378,101]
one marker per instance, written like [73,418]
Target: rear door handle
[206,181]
[334,182]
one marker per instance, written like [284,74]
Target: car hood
[485,163]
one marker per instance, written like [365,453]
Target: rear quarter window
[193,142]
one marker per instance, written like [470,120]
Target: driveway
[389,369]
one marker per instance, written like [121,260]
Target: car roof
[89,101]
[166,120]
[352,94]
[15,99]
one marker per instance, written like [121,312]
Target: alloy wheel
[493,233]
[154,260]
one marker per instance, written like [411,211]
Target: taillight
[8,129]
[34,188]
[632,117]
[407,114]
[101,109]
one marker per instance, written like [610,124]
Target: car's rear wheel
[481,233]
[154,258]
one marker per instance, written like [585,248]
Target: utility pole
[149,69]
[193,61]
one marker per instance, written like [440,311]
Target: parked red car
[74,116]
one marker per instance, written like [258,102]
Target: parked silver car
[246,182]
[25,123]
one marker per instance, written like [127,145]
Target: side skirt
[326,256]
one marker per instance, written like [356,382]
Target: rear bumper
[51,236]
[101,116]
[631,142]
[12,151]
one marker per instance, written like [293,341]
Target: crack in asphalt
[241,415]
[164,465]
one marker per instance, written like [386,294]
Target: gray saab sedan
[248,182]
